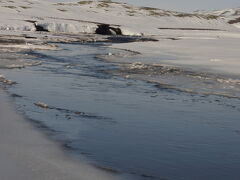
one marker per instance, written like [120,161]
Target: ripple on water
[155,130]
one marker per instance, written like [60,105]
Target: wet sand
[26,154]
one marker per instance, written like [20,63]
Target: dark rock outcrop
[40,28]
[106,29]
[234,21]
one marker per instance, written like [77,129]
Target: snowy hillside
[231,16]
[87,16]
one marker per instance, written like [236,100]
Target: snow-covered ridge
[86,16]
[231,16]
[227,12]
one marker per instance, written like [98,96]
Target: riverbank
[204,51]
[26,154]
[137,91]
[116,123]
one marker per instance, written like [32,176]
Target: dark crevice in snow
[129,39]
[191,29]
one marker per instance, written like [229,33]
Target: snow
[203,41]
[198,40]
[29,46]
[83,17]
[28,154]
[228,15]
[202,52]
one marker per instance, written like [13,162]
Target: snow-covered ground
[201,51]
[27,154]
[205,40]
[199,42]
[84,16]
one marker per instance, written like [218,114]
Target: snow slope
[85,16]
[231,16]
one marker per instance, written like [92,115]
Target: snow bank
[66,27]
[84,17]
[27,154]
[130,32]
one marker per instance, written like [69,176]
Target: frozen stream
[129,126]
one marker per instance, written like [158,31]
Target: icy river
[128,125]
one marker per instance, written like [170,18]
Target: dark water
[131,126]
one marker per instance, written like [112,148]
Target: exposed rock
[106,29]
[234,21]
[40,28]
